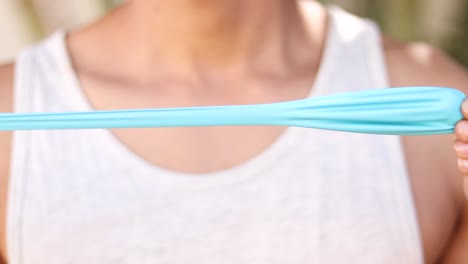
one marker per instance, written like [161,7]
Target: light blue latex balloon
[396,111]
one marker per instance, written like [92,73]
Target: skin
[213,55]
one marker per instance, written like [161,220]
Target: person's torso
[313,196]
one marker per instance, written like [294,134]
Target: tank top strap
[45,80]
[25,74]
[355,43]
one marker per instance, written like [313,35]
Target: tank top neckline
[118,152]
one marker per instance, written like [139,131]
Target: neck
[213,32]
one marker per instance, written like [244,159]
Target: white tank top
[313,196]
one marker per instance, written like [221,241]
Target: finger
[463,166]
[461,131]
[465,108]
[465,186]
[461,149]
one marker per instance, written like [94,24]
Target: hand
[461,145]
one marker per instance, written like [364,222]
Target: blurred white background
[24,22]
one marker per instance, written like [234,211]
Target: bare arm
[6,88]
[437,182]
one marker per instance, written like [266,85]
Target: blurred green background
[444,23]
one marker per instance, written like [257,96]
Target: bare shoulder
[422,64]
[6,105]
[432,163]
